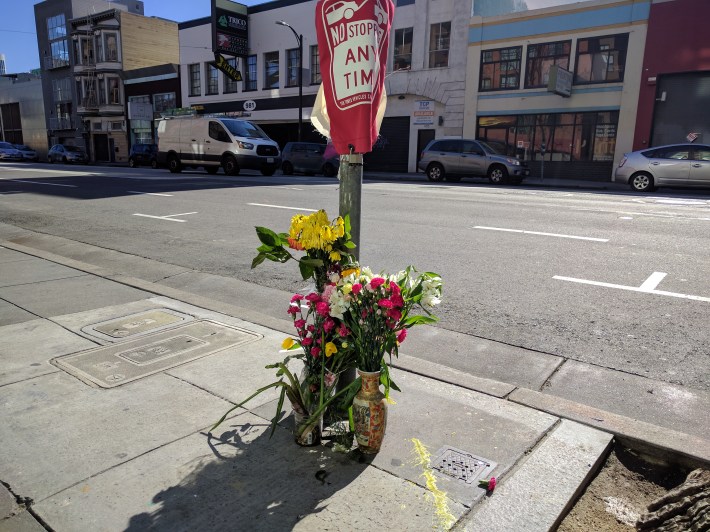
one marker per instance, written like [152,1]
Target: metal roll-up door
[391,151]
[682,107]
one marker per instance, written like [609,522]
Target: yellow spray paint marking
[423,459]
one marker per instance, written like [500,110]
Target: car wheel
[641,182]
[154,163]
[212,170]
[329,170]
[287,168]
[497,174]
[230,165]
[174,164]
[131,163]
[268,171]
[435,172]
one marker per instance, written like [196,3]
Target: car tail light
[623,161]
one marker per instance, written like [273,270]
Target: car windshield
[490,149]
[73,148]
[241,128]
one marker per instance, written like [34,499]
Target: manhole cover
[117,364]
[462,465]
[137,324]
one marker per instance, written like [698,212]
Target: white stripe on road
[40,183]
[149,193]
[169,217]
[282,207]
[541,234]
[648,286]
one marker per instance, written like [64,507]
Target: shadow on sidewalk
[247,481]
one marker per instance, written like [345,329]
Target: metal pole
[300,87]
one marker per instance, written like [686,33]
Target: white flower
[334,277]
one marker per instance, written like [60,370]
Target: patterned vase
[369,413]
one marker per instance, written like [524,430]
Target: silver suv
[452,159]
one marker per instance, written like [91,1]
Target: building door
[424,136]
[682,107]
[101,148]
[391,151]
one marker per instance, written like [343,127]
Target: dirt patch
[620,493]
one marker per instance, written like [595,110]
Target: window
[116,126]
[250,74]
[543,56]
[58,46]
[601,59]
[315,65]
[212,77]
[111,47]
[194,79]
[402,49]
[292,67]
[114,92]
[500,69]
[61,90]
[99,47]
[217,132]
[102,92]
[163,102]
[139,124]
[271,70]
[679,153]
[230,86]
[439,37]
[701,154]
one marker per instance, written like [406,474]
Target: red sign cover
[353,38]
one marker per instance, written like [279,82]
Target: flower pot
[369,413]
[303,435]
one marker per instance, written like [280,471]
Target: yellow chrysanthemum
[287,343]
[334,255]
[330,349]
[350,271]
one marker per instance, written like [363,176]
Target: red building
[674,98]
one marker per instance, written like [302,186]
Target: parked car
[8,152]
[67,154]
[453,159]
[143,154]
[686,165]
[28,154]
[231,143]
[309,158]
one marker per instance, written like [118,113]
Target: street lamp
[299,38]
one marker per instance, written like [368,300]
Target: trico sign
[230,28]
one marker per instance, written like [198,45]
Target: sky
[19,43]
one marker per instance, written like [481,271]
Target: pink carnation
[397,300]
[327,291]
[299,324]
[395,314]
[311,328]
[322,308]
[328,325]
[313,297]
[307,341]
[315,351]
[343,330]
[296,297]
[402,335]
[376,282]
[293,309]
[395,288]
[356,288]
[385,303]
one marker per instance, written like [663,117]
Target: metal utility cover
[141,323]
[462,465]
[117,364]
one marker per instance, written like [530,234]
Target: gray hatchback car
[452,159]
[682,165]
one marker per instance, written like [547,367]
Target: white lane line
[650,284]
[168,217]
[149,193]
[282,207]
[40,183]
[541,234]
[641,288]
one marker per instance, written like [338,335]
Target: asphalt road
[618,280]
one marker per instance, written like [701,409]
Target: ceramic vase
[369,413]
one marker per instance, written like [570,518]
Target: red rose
[322,308]
[376,282]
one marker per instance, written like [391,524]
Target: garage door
[682,107]
[391,151]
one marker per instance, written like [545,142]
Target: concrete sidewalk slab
[33,271]
[244,480]
[59,431]
[22,522]
[545,485]
[10,255]
[633,396]
[67,296]
[11,314]
[27,348]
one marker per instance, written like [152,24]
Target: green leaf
[268,237]
[409,321]
[316,263]
[275,420]
[346,223]
[350,244]
[258,260]
[306,270]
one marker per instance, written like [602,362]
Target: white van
[209,142]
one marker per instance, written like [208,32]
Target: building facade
[558,85]
[674,98]
[22,112]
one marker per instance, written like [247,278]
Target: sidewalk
[109,383]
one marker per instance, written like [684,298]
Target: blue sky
[19,43]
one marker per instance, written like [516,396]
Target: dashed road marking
[282,207]
[148,193]
[168,217]
[40,183]
[541,234]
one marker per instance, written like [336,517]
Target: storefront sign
[560,81]
[140,111]
[353,39]
[229,71]
[423,113]
[230,34]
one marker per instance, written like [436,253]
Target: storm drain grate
[462,465]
